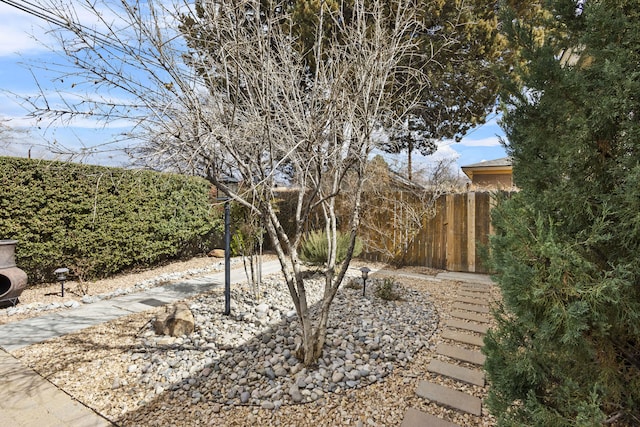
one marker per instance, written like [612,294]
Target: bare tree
[396,209]
[220,89]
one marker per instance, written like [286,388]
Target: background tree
[462,52]
[567,347]
[230,94]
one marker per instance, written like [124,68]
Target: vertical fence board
[471,232]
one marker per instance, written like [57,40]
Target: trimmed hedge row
[98,221]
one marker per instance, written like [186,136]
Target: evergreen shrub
[98,221]
[566,349]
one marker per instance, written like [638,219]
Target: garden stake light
[365,273]
[61,276]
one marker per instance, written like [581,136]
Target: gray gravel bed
[248,358]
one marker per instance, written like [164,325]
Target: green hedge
[98,221]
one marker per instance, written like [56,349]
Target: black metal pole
[62,288]
[227,259]
[364,286]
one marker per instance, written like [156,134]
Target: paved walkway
[28,400]
[464,332]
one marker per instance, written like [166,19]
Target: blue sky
[22,42]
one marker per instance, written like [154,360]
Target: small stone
[262,308]
[88,299]
[337,377]
[296,396]
[244,397]
[267,405]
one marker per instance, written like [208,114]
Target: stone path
[464,334]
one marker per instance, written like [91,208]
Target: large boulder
[176,320]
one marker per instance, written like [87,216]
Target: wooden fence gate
[453,238]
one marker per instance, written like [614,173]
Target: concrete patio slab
[28,400]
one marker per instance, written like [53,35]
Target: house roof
[497,166]
[502,162]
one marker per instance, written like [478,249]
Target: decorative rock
[262,308]
[337,377]
[177,320]
[267,405]
[216,253]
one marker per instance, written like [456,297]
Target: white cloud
[20,32]
[25,34]
[492,141]
[445,151]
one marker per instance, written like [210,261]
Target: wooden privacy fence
[449,240]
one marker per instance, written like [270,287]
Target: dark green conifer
[567,250]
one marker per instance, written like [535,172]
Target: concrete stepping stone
[460,373]
[463,338]
[472,307]
[472,278]
[468,326]
[474,301]
[476,295]
[478,289]
[415,418]
[478,285]
[469,315]
[448,397]
[462,354]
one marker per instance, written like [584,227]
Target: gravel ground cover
[240,371]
